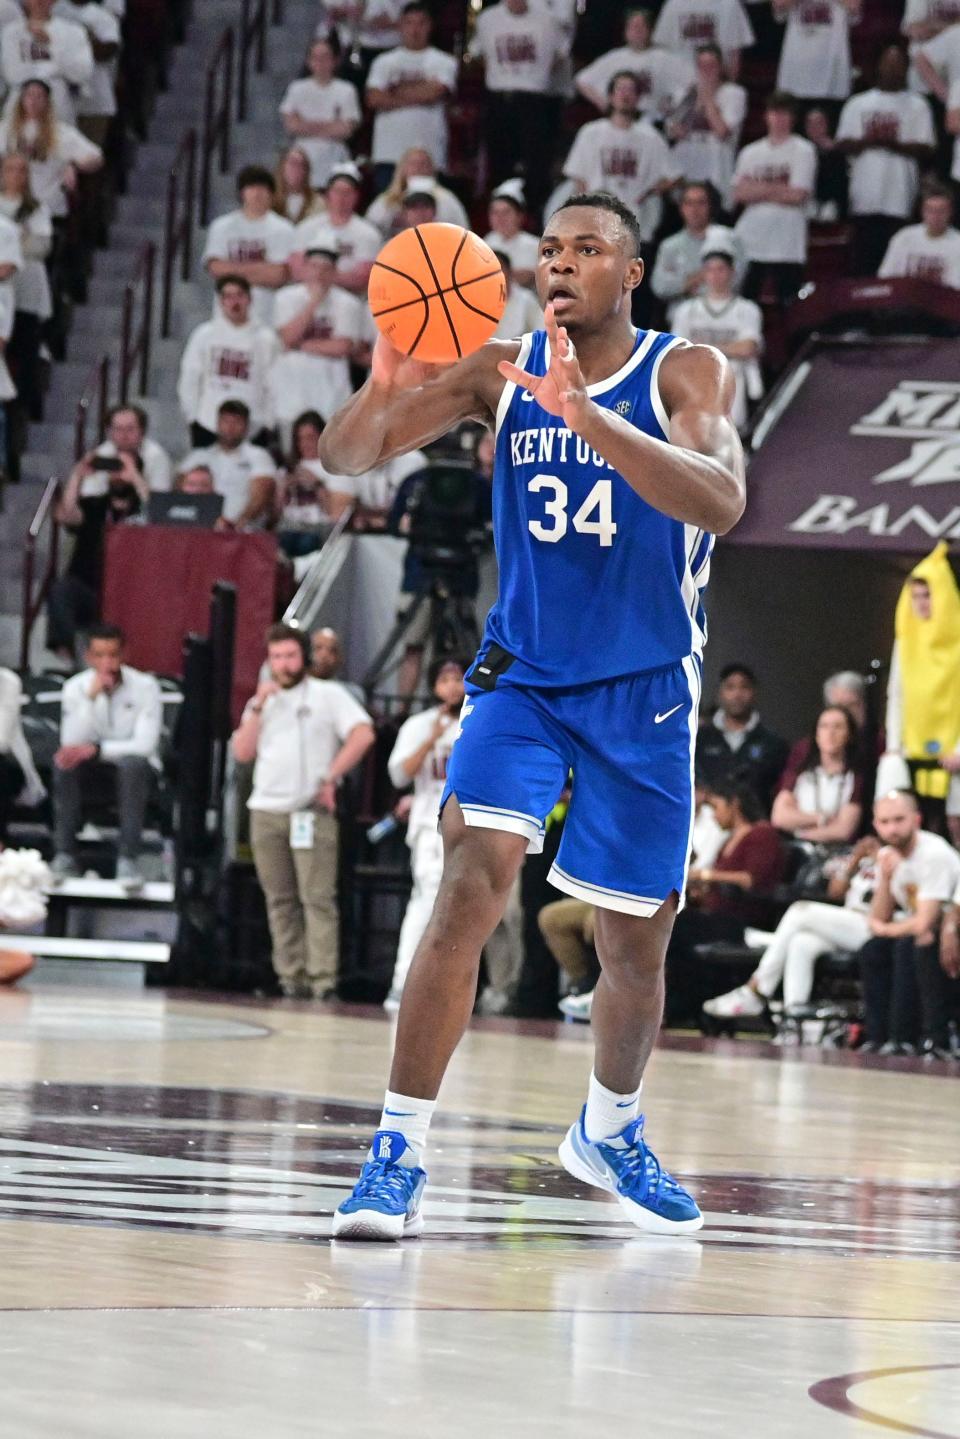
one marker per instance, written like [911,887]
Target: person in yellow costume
[923,690]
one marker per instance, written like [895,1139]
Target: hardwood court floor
[168,1166]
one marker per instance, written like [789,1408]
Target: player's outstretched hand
[562,390]
[389,367]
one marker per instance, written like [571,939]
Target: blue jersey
[594,582]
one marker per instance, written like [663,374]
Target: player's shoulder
[690,371]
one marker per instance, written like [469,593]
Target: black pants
[785,280]
[689,980]
[904,992]
[72,605]
[520,132]
[871,236]
[24,351]
[131,779]
[12,780]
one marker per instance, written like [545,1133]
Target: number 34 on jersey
[594,517]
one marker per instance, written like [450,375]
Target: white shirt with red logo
[221,362]
[236,237]
[771,232]
[337,100]
[940,13]
[882,183]
[64,60]
[707,322]
[688,24]
[518,51]
[815,59]
[915,254]
[429,781]
[412,126]
[662,76]
[301,381]
[701,154]
[628,163]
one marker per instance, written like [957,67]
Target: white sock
[607,1112]
[409,1117]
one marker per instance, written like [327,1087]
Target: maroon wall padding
[157,582]
[866,456]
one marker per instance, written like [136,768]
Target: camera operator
[446,512]
[109,485]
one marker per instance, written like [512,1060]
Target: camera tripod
[452,628]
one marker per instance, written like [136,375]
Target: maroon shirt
[760,854]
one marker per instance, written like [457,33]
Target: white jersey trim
[692,672]
[599,387]
[603,898]
[659,409]
[485,816]
[526,341]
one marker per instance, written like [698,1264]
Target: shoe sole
[644,1219]
[370,1226]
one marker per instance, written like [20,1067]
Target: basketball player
[616,464]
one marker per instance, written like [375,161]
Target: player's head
[589,263]
[445,677]
[896,817]
[936,209]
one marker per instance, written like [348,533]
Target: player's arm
[699,476]
[405,404]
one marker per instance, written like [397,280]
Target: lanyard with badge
[302,821]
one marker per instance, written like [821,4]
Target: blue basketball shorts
[629,744]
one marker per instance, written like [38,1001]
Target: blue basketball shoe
[385,1203]
[627,1167]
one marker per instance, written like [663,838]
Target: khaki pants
[300,887]
[567,928]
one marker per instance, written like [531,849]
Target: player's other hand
[562,390]
[395,371]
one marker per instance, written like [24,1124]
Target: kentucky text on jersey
[594,582]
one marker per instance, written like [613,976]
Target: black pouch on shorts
[489,667]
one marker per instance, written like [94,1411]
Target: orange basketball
[437,292]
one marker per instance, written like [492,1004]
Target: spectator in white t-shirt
[815,59]
[319,326]
[57,153]
[370,25]
[930,250]
[506,214]
[718,316]
[42,47]
[937,63]
[705,130]
[903,983]
[773,181]
[888,134]
[31,284]
[419,758]
[522,313]
[227,358]
[355,240]
[309,499]
[322,112]
[252,241]
[414,164]
[146,463]
[97,101]
[685,25]
[518,43]
[923,21]
[243,473]
[678,271]
[408,90]
[624,156]
[663,76]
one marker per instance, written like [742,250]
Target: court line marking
[364,1308]
[834,1393]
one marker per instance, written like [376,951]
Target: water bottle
[383,827]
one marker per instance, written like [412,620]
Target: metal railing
[303,609]
[135,335]
[94,396]
[178,224]
[253,39]
[217,116]
[34,603]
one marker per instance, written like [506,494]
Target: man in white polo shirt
[110,726]
[773,181]
[888,133]
[518,44]
[930,250]
[408,89]
[304,735]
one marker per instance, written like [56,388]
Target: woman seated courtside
[823,800]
